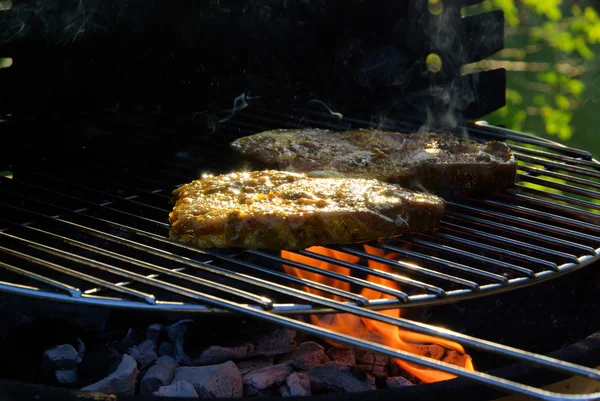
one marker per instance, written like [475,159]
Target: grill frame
[357,306]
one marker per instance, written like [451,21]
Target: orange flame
[372,330]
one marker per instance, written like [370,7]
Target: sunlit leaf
[575,86]
[583,48]
[590,14]
[562,102]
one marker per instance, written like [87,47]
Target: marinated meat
[285,210]
[442,164]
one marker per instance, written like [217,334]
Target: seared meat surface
[285,210]
[438,163]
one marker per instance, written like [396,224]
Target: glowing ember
[392,336]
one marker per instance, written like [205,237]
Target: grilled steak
[284,210]
[439,163]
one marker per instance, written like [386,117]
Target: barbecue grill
[84,214]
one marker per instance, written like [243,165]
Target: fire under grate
[94,230]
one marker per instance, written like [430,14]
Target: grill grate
[115,213]
[95,231]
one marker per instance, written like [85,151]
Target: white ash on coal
[121,381]
[213,381]
[62,361]
[159,375]
[180,388]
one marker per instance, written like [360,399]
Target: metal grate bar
[74,292]
[418,269]
[521,197]
[531,171]
[448,264]
[351,266]
[476,257]
[558,166]
[559,186]
[521,232]
[556,156]
[509,241]
[533,212]
[399,279]
[516,255]
[527,223]
[398,264]
[149,298]
[262,301]
[558,197]
[198,265]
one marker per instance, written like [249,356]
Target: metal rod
[418,269]
[483,247]
[527,223]
[537,213]
[397,278]
[522,232]
[508,241]
[480,258]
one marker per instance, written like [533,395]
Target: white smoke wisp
[59,21]
[240,102]
[333,113]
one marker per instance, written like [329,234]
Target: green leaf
[539,100]
[562,102]
[575,86]
[583,48]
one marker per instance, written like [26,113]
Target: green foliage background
[552,57]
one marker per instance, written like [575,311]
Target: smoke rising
[58,21]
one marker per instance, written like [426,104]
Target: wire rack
[94,230]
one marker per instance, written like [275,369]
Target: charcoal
[178,389]
[430,350]
[176,333]
[61,357]
[372,362]
[285,391]
[98,363]
[455,358]
[279,341]
[297,384]
[121,381]
[144,353]
[159,374]
[258,362]
[66,377]
[217,354]
[165,349]
[395,371]
[397,382]
[258,380]
[339,378]
[154,332]
[132,338]
[308,355]
[213,381]
[342,354]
